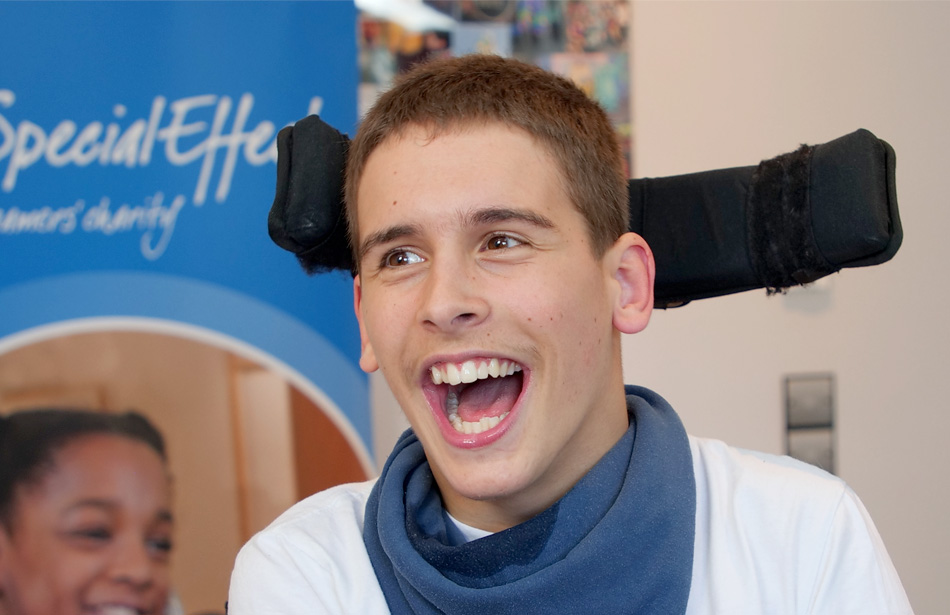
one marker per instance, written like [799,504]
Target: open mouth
[478,394]
[115,609]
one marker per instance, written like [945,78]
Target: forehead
[110,468]
[418,173]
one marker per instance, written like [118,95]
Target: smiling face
[494,324]
[92,536]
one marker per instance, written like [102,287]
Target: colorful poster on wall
[584,40]
[137,166]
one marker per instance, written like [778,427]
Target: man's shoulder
[341,505]
[309,559]
[317,528]
[735,468]
[322,535]
[781,507]
[775,535]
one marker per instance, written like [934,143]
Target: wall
[726,84]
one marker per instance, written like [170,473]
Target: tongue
[492,397]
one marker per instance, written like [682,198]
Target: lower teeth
[470,427]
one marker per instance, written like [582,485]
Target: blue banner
[137,166]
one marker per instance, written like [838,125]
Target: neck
[493,515]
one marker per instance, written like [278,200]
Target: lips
[476,396]
[115,609]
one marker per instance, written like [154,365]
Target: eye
[502,242]
[90,536]
[400,258]
[161,545]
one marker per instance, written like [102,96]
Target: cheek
[389,329]
[48,586]
[388,311]
[573,325]
[163,582]
[561,305]
[386,331]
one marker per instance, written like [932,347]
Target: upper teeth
[114,609]
[470,371]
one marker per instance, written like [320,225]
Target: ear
[631,265]
[368,361]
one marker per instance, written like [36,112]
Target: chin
[483,482]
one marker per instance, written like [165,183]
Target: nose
[453,297]
[132,564]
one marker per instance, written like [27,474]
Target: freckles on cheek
[553,318]
[545,318]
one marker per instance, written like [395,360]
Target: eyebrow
[487,215]
[162,515]
[385,236]
[91,503]
[504,214]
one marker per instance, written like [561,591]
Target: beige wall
[720,84]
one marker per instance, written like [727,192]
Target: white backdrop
[723,84]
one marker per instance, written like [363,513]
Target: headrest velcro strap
[782,247]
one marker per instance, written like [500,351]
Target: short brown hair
[478,89]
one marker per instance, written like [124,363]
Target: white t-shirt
[773,536]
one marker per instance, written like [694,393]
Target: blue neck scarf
[620,541]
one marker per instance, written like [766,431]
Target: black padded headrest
[307,215]
[789,220]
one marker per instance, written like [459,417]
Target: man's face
[93,536]
[481,301]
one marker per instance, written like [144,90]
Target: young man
[487,208]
